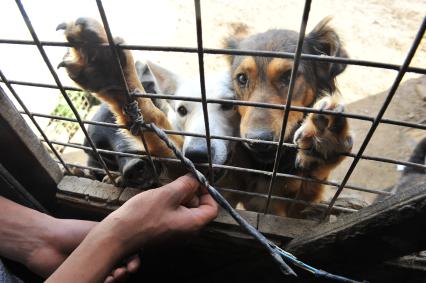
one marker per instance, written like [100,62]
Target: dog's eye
[227,106]
[285,78]
[182,111]
[242,79]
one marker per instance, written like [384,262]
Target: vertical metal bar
[119,64]
[293,76]
[200,51]
[61,88]
[30,115]
[379,116]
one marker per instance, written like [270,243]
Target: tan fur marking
[277,67]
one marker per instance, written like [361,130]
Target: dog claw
[62,26]
[61,64]
[339,108]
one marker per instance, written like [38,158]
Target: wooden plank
[88,189]
[224,218]
[410,262]
[88,194]
[73,185]
[290,227]
[22,154]
[388,229]
[103,192]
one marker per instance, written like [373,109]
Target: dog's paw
[138,173]
[90,62]
[117,179]
[323,138]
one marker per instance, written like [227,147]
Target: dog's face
[262,79]
[188,116]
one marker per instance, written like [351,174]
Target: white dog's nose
[264,135]
[197,151]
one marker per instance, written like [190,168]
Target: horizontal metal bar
[245,103]
[396,83]
[388,160]
[31,117]
[325,205]
[34,84]
[223,51]
[236,191]
[226,167]
[58,82]
[95,169]
[238,139]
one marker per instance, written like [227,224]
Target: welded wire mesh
[201,51]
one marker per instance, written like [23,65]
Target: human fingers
[134,264]
[193,202]
[109,279]
[206,211]
[182,190]
[120,274]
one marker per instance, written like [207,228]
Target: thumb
[182,189]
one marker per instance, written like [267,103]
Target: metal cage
[200,51]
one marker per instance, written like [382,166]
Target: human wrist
[91,261]
[128,236]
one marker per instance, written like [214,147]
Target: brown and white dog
[93,69]
[321,138]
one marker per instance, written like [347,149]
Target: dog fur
[320,138]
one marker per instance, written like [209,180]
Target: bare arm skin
[177,208]
[42,242]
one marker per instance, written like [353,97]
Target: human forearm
[37,240]
[148,216]
[91,262]
[17,222]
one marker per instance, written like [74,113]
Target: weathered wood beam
[24,157]
[101,198]
[394,227]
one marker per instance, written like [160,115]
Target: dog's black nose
[133,169]
[264,135]
[197,152]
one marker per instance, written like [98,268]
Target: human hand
[42,243]
[49,249]
[176,208]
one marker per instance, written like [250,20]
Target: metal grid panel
[200,50]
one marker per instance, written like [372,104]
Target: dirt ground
[377,30]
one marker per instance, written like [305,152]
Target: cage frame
[200,51]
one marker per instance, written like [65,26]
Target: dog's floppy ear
[230,43]
[325,41]
[238,31]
